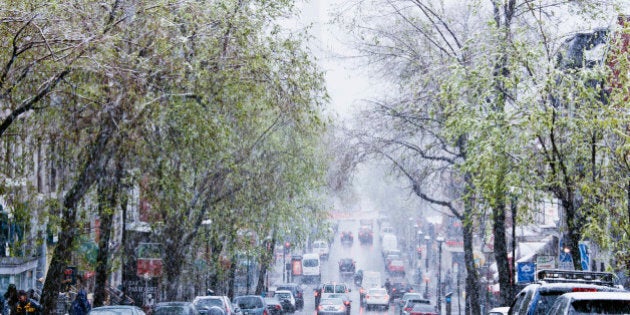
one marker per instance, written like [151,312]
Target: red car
[396,267]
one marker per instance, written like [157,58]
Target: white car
[376,297]
[591,303]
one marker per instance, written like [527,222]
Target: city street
[367,257]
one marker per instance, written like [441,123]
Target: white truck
[389,243]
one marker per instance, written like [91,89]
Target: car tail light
[321,307]
[299,294]
[278,307]
[407,309]
[265,312]
[346,302]
[584,290]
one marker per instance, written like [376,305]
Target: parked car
[273,306]
[117,310]
[376,297]
[591,303]
[346,267]
[251,304]
[423,309]
[174,308]
[537,298]
[204,303]
[286,299]
[297,290]
[331,306]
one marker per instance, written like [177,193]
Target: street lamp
[427,239]
[440,240]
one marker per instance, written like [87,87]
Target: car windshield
[546,301]
[600,307]
[248,302]
[310,262]
[283,295]
[208,303]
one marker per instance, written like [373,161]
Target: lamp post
[427,239]
[440,240]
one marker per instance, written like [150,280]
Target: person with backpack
[80,305]
[26,306]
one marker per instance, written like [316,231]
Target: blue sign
[585,257]
[526,272]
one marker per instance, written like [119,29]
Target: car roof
[283,292]
[598,296]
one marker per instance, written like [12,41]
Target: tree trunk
[94,166]
[472,280]
[108,192]
[265,262]
[500,250]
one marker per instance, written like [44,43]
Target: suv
[330,287]
[297,290]
[537,298]
[204,303]
[346,266]
[286,300]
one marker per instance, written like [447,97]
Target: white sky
[346,85]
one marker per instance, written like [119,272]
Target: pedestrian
[388,286]
[10,300]
[80,305]
[26,306]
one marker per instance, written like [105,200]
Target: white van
[321,247]
[311,268]
[389,243]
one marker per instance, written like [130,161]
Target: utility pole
[440,240]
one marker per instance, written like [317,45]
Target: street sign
[526,272]
[545,262]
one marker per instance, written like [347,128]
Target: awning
[527,251]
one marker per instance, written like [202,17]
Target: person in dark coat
[80,305]
[26,306]
[10,300]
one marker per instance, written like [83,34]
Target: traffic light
[287,247]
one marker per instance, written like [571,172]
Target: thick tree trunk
[500,251]
[472,280]
[94,166]
[108,193]
[265,262]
